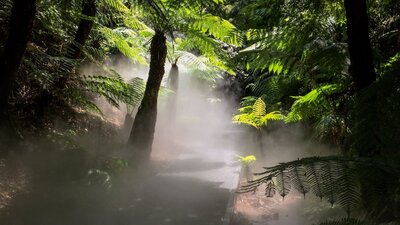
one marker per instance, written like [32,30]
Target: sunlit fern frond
[248,101]
[116,4]
[247,119]
[220,28]
[134,23]
[113,89]
[246,109]
[79,99]
[192,61]
[208,47]
[256,115]
[272,116]
[259,107]
[311,104]
[119,38]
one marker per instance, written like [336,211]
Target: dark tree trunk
[366,141]
[74,51]
[82,35]
[142,133]
[361,68]
[21,23]
[366,122]
[84,28]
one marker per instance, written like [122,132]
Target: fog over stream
[195,170]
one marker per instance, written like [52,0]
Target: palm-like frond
[312,104]
[353,221]
[248,119]
[334,178]
[114,90]
[120,37]
[256,115]
[219,28]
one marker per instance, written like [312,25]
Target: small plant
[64,140]
[246,161]
[115,165]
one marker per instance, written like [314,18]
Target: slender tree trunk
[82,35]
[21,24]
[142,133]
[362,67]
[173,77]
[84,28]
[173,80]
[260,141]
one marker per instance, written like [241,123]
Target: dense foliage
[330,65]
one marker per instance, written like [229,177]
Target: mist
[194,171]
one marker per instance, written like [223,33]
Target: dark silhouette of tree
[21,24]
[142,133]
[362,67]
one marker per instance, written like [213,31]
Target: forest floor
[13,180]
[189,184]
[254,208]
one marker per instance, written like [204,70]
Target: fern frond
[256,115]
[348,187]
[117,5]
[354,221]
[299,179]
[275,115]
[283,182]
[315,178]
[311,104]
[215,26]
[334,178]
[248,119]
[329,180]
[259,107]
[117,37]
[114,90]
